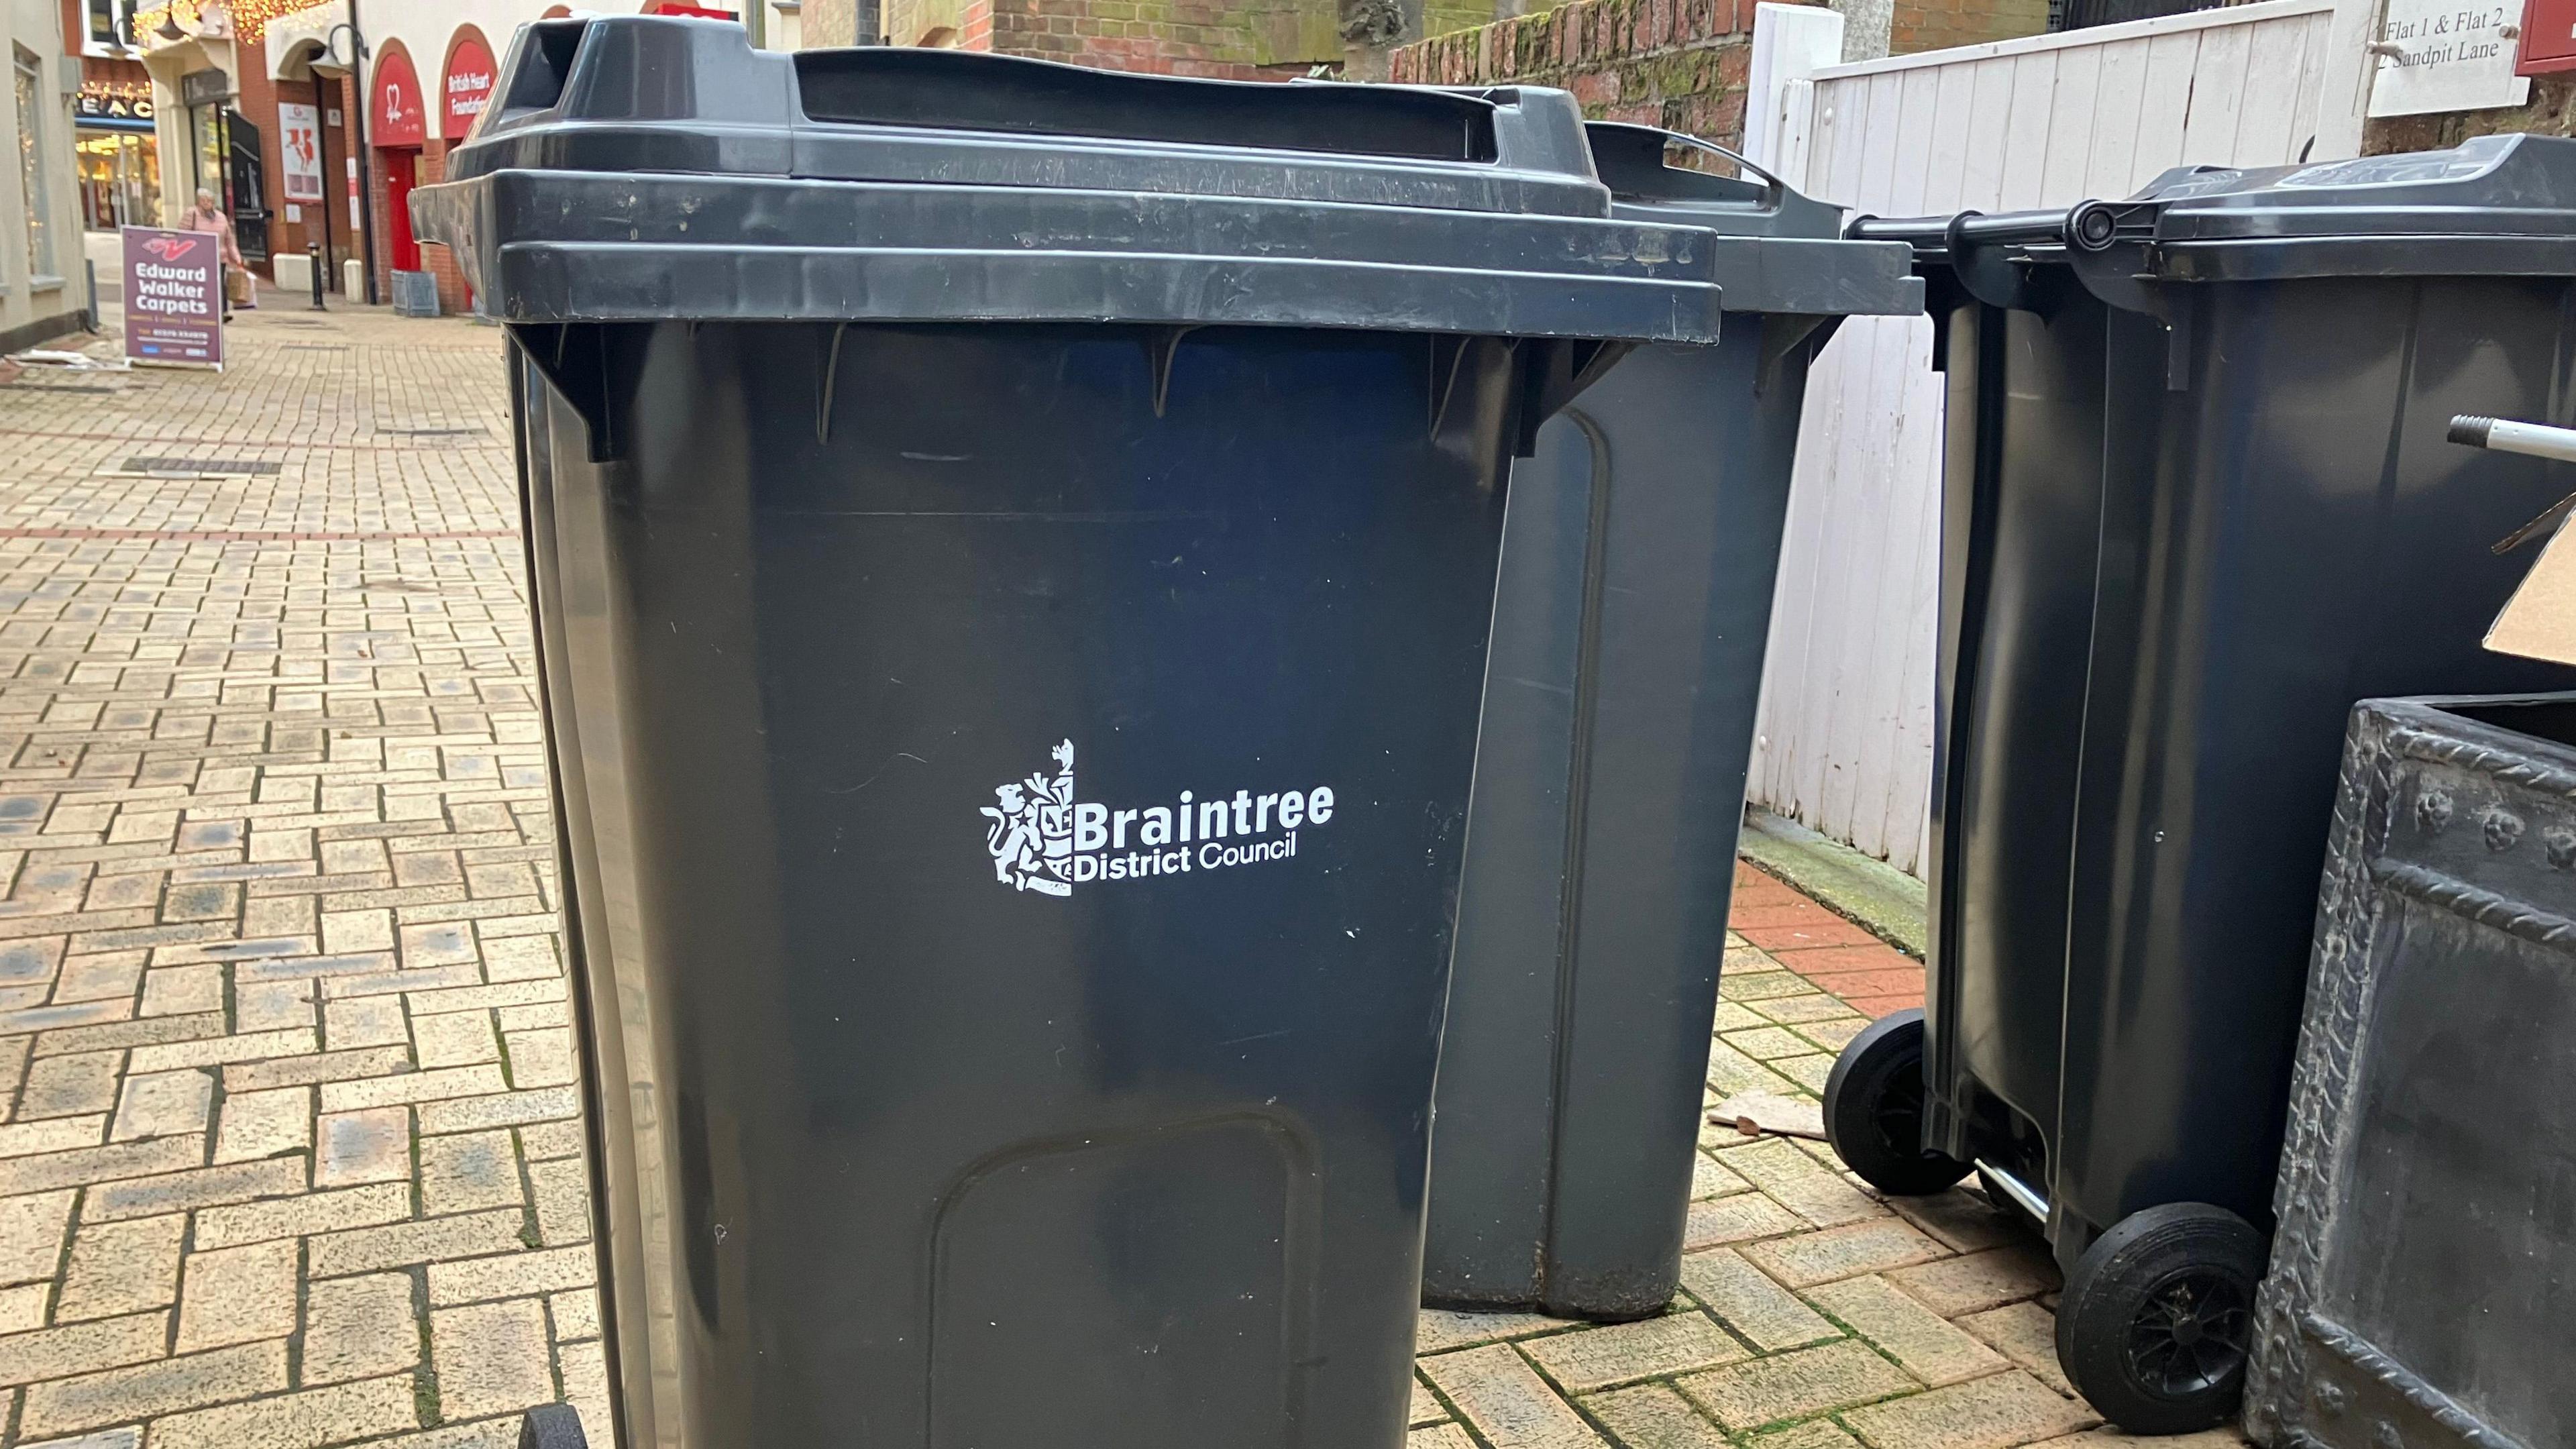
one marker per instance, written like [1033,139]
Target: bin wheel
[2158,1318]
[552,1426]
[1874,1110]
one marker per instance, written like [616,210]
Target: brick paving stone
[75,1084]
[1963,1221]
[296,1421]
[1427,1408]
[370,1145]
[358,1327]
[162,1104]
[401,1244]
[2008,1409]
[1769,1316]
[1842,1252]
[121,1268]
[1507,1402]
[1711,1179]
[1623,1353]
[491,1357]
[575,1315]
[1800,1183]
[81,1348]
[1652,1416]
[1928,1346]
[1795,1385]
[2226,1438]
[562,1189]
[1439,1436]
[467,1171]
[195,1188]
[2026,1334]
[321,1212]
[236,1295]
[1737,1219]
[1439,1330]
[31,1235]
[1814,1434]
[273,1123]
[1956,1286]
[148,1390]
[510,1275]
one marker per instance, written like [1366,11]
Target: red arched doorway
[398,123]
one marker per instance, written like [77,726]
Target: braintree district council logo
[1042,839]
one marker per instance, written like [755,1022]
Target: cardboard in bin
[2539,621]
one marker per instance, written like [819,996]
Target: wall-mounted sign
[469,87]
[299,144]
[2443,55]
[174,298]
[208,87]
[99,108]
[395,115]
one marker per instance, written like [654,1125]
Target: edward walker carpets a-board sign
[174,297]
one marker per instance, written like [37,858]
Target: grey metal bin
[1639,551]
[2424,1271]
[1012,553]
[2198,500]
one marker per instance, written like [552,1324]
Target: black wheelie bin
[1013,549]
[2197,503]
[1639,550]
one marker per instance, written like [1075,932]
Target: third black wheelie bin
[2197,502]
[1012,551]
[1639,552]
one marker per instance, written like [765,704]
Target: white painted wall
[1845,733]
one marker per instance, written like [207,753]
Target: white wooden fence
[1845,742]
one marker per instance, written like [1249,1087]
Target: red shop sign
[394,112]
[469,86]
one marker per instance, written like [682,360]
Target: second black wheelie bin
[1012,551]
[1639,552]
[2197,502]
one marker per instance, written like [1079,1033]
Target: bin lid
[2494,205]
[1805,266]
[632,168]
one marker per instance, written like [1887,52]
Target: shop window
[27,77]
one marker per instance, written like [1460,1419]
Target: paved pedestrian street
[292,1149]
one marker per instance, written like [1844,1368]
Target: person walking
[208,216]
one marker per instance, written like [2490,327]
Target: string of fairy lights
[249,18]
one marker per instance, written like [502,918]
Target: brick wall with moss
[1675,63]
[2551,111]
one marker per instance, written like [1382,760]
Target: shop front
[120,163]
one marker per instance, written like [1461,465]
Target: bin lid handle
[1773,187]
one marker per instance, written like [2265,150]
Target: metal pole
[2534,440]
[322,158]
[366,183]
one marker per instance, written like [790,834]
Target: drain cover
[200,467]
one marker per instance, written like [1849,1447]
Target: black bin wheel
[1874,1110]
[2158,1318]
[552,1426]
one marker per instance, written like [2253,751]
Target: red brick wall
[437,260]
[1679,64]
[1920,25]
[1167,37]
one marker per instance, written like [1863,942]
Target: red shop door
[400,171]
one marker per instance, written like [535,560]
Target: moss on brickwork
[1674,63]
[1243,38]
[2551,111]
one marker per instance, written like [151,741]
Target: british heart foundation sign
[174,298]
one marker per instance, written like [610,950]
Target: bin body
[2426,1266]
[944,595]
[2189,520]
[1639,555]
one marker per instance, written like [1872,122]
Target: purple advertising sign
[174,298]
